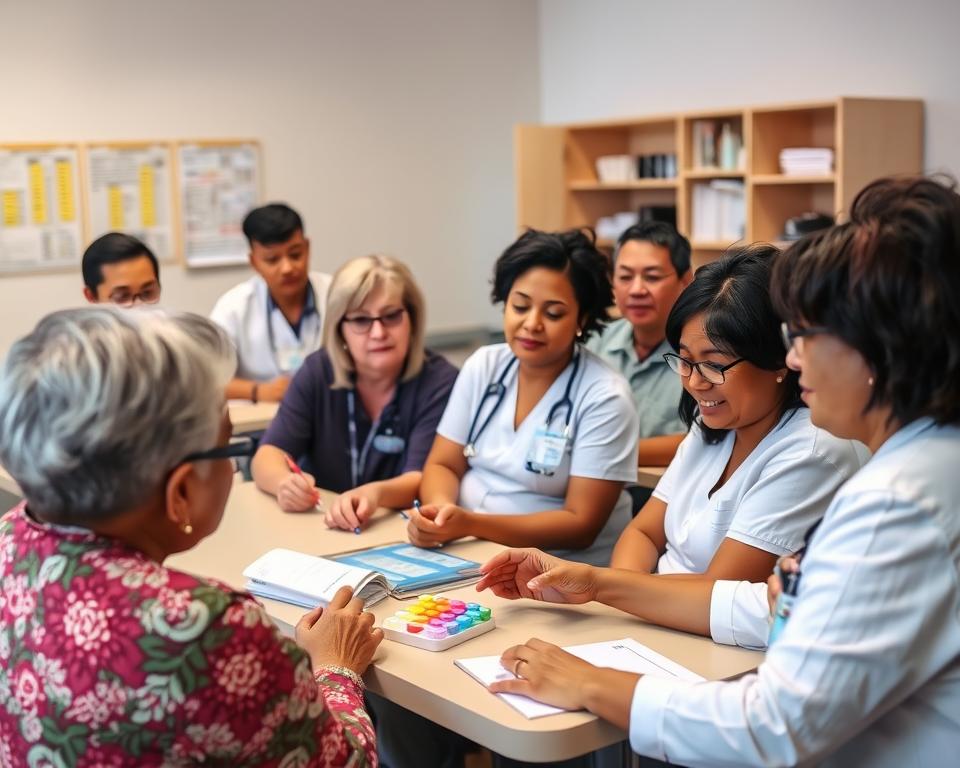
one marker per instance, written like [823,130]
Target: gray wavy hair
[97,405]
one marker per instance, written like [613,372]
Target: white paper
[627,655]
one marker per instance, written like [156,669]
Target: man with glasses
[651,268]
[275,318]
[120,269]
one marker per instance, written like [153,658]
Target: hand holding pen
[297,492]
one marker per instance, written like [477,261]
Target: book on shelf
[397,570]
[806,161]
[719,211]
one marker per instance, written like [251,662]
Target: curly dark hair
[733,295]
[574,253]
[887,282]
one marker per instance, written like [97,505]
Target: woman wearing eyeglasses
[747,483]
[362,411]
[113,425]
[866,670]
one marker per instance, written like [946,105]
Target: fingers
[341,513]
[297,493]
[310,618]
[518,685]
[342,598]
[364,510]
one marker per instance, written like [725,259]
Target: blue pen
[416,506]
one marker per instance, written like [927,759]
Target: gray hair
[97,405]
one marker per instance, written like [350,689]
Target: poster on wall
[219,183]
[40,218]
[129,188]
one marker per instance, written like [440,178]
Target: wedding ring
[516,669]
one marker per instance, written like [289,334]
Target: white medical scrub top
[244,311]
[773,498]
[603,443]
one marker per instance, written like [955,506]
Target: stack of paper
[806,161]
[719,211]
[626,655]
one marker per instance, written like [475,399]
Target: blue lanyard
[498,390]
[314,338]
[358,461]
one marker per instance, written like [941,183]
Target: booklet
[394,569]
[626,655]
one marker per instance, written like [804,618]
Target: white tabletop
[429,683]
[248,416]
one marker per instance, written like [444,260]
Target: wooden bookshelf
[558,186]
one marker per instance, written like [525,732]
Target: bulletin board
[129,188]
[41,224]
[219,183]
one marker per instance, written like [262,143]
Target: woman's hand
[352,509]
[433,525]
[297,493]
[787,564]
[547,673]
[340,634]
[534,574]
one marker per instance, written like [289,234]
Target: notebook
[626,655]
[394,569]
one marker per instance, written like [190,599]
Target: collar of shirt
[619,340]
[309,307]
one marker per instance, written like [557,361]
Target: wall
[387,125]
[614,58]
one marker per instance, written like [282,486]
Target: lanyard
[358,460]
[498,390]
[273,342]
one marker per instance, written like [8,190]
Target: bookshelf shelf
[558,186]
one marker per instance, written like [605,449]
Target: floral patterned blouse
[109,659]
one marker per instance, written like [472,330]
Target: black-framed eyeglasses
[237,448]
[712,372]
[790,335]
[363,323]
[149,295]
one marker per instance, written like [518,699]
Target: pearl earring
[779,379]
[187,528]
[579,333]
[870,381]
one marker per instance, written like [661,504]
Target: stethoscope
[385,443]
[498,389]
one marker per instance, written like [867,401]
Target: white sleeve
[669,479]
[224,315]
[861,639]
[605,441]
[791,493]
[739,614]
[464,398]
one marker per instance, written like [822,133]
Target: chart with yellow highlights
[129,188]
[40,222]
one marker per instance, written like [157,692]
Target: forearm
[678,603]
[439,485]
[658,451]
[635,551]
[553,529]
[269,468]
[349,719]
[397,492]
[608,693]
[241,389]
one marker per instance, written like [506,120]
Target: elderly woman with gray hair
[114,426]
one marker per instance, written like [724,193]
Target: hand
[534,574]
[340,634]
[352,509]
[273,390]
[546,673]
[788,564]
[434,524]
[297,493]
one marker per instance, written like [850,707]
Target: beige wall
[612,58]
[386,124]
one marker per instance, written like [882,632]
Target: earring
[579,333]
[187,528]
[870,381]
[779,379]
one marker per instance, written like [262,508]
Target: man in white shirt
[275,318]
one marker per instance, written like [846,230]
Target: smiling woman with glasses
[361,412]
[114,426]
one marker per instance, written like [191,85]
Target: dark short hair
[887,283]
[733,295]
[663,234]
[574,253]
[109,249]
[271,224]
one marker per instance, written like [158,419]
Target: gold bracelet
[335,669]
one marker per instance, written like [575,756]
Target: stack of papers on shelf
[719,211]
[806,161]
[617,168]
[626,655]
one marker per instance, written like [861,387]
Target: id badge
[289,359]
[546,452]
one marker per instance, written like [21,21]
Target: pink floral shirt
[108,658]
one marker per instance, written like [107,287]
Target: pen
[295,468]
[416,506]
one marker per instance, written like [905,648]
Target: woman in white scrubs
[539,435]
[866,671]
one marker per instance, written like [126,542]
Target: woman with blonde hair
[363,410]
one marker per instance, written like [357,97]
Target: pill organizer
[436,623]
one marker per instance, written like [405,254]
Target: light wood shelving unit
[558,188]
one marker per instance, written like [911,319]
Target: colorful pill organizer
[436,623]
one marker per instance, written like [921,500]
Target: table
[248,416]
[429,683]
[648,477]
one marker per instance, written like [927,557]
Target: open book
[394,569]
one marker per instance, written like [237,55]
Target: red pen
[295,468]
